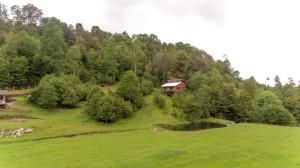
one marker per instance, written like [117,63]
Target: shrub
[272,110]
[70,99]
[159,100]
[130,90]
[82,91]
[107,108]
[47,97]
[68,91]
[147,87]
[194,109]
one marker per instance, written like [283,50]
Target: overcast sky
[260,37]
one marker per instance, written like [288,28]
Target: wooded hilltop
[68,62]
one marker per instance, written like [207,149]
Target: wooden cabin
[3,94]
[173,86]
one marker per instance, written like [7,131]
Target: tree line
[66,61]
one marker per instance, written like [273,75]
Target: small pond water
[192,127]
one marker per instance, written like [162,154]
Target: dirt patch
[15,118]
[18,120]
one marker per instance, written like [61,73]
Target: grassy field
[67,138]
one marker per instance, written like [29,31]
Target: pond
[192,127]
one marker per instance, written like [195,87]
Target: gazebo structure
[3,94]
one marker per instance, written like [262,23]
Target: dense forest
[68,62]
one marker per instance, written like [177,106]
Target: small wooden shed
[3,94]
[173,86]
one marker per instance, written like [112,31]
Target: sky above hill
[260,37]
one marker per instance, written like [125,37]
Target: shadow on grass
[192,127]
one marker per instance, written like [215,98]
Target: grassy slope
[239,145]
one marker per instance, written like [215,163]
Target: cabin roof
[171,84]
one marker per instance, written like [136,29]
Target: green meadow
[67,138]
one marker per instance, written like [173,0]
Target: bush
[70,98]
[82,91]
[47,97]
[107,108]
[178,99]
[130,90]
[272,110]
[194,109]
[147,87]
[159,100]
[68,91]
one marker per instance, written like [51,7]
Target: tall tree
[17,15]
[4,74]
[3,13]
[18,71]
[52,44]
[31,14]
[129,89]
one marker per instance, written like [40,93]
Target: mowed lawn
[66,138]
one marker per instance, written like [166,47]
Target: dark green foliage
[35,50]
[159,100]
[4,74]
[270,107]
[82,91]
[147,87]
[129,89]
[52,45]
[195,109]
[70,98]
[106,108]
[18,70]
[68,91]
[47,97]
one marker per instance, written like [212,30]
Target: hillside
[64,138]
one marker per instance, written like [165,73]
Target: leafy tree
[107,108]
[272,109]
[70,98]
[18,70]
[47,97]
[31,14]
[22,44]
[4,74]
[195,109]
[73,60]
[16,12]
[159,100]
[52,44]
[3,13]
[129,89]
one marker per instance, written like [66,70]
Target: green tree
[129,89]
[3,13]
[18,70]
[107,108]
[31,14]
[195,108]
[47,97]
[73,60]
[272,109]
[52,44]
[70,98]
[4,74]
[21,44]
[159,100]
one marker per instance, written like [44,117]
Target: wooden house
[173,86]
